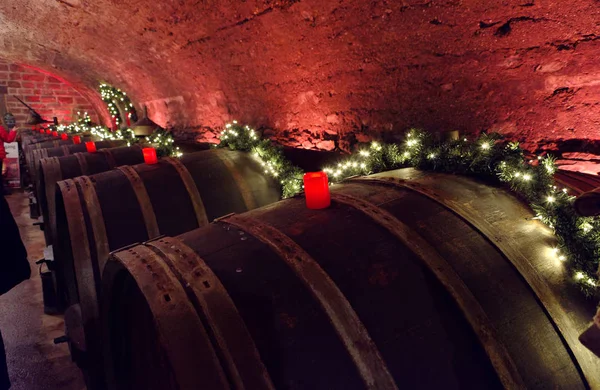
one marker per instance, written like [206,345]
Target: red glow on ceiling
[47,73]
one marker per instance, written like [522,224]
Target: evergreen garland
[486,157]
[114,97]
[244,138]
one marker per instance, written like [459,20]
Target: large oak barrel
[103,212]
[54,143]
[409,280]
[53,169]
[66,150]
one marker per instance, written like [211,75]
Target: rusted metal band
[143,200]
[344,319]
[110,159]
[56,143]
[474,313]
[240,180]
[94,212]
[82,163]
[84,278]
[66,150]
[50,168]
[185,341]
[213,303]
[583,359]
[191,188]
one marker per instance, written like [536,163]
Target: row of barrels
[35,146]
[408,280]
[94,203]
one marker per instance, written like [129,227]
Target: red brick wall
[47,95]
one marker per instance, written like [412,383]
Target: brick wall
[47,95]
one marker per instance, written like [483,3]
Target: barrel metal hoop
[110,159]
[240,180]
[79,242]
[186,343]
[82,163]
[568,331]
[191,188]
[217,309]
[50,168]
[143,200]
[66,150]
[474,313]
[90,197]
[56,143]
[350,329]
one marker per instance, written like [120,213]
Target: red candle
[128,120]
[77,139]
[91,147]
[114,123]
[64,136]
[316,190]
[149,155]
[41,131]
[55,133]
[48,131]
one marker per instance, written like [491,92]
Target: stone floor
[34,362]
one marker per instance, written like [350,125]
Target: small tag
[49,253]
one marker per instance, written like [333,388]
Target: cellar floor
[34,362]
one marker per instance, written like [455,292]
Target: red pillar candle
[149,155]
[64,136]
[48,131]
[77,139]
[114,123]
[41,131]
[316,190]
[91,147]
[127,117]
[55,133]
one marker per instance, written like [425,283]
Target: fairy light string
[115,98]
[485,157]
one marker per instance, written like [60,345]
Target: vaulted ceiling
[327,72]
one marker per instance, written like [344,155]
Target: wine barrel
[75,163]
[64,150]
[409,280]
[578,182]
[103,212]
[30,169]
[28,149]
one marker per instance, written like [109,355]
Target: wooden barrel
[30,168]
[28,149]
[409,280]
[578,182]
[103,212]
[53,169]
[69,149]
[64,150]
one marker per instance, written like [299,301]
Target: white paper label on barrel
[48,253]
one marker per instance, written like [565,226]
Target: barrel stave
[123,217]
[506,298]
[364,262]
[176,211]
[279,313]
